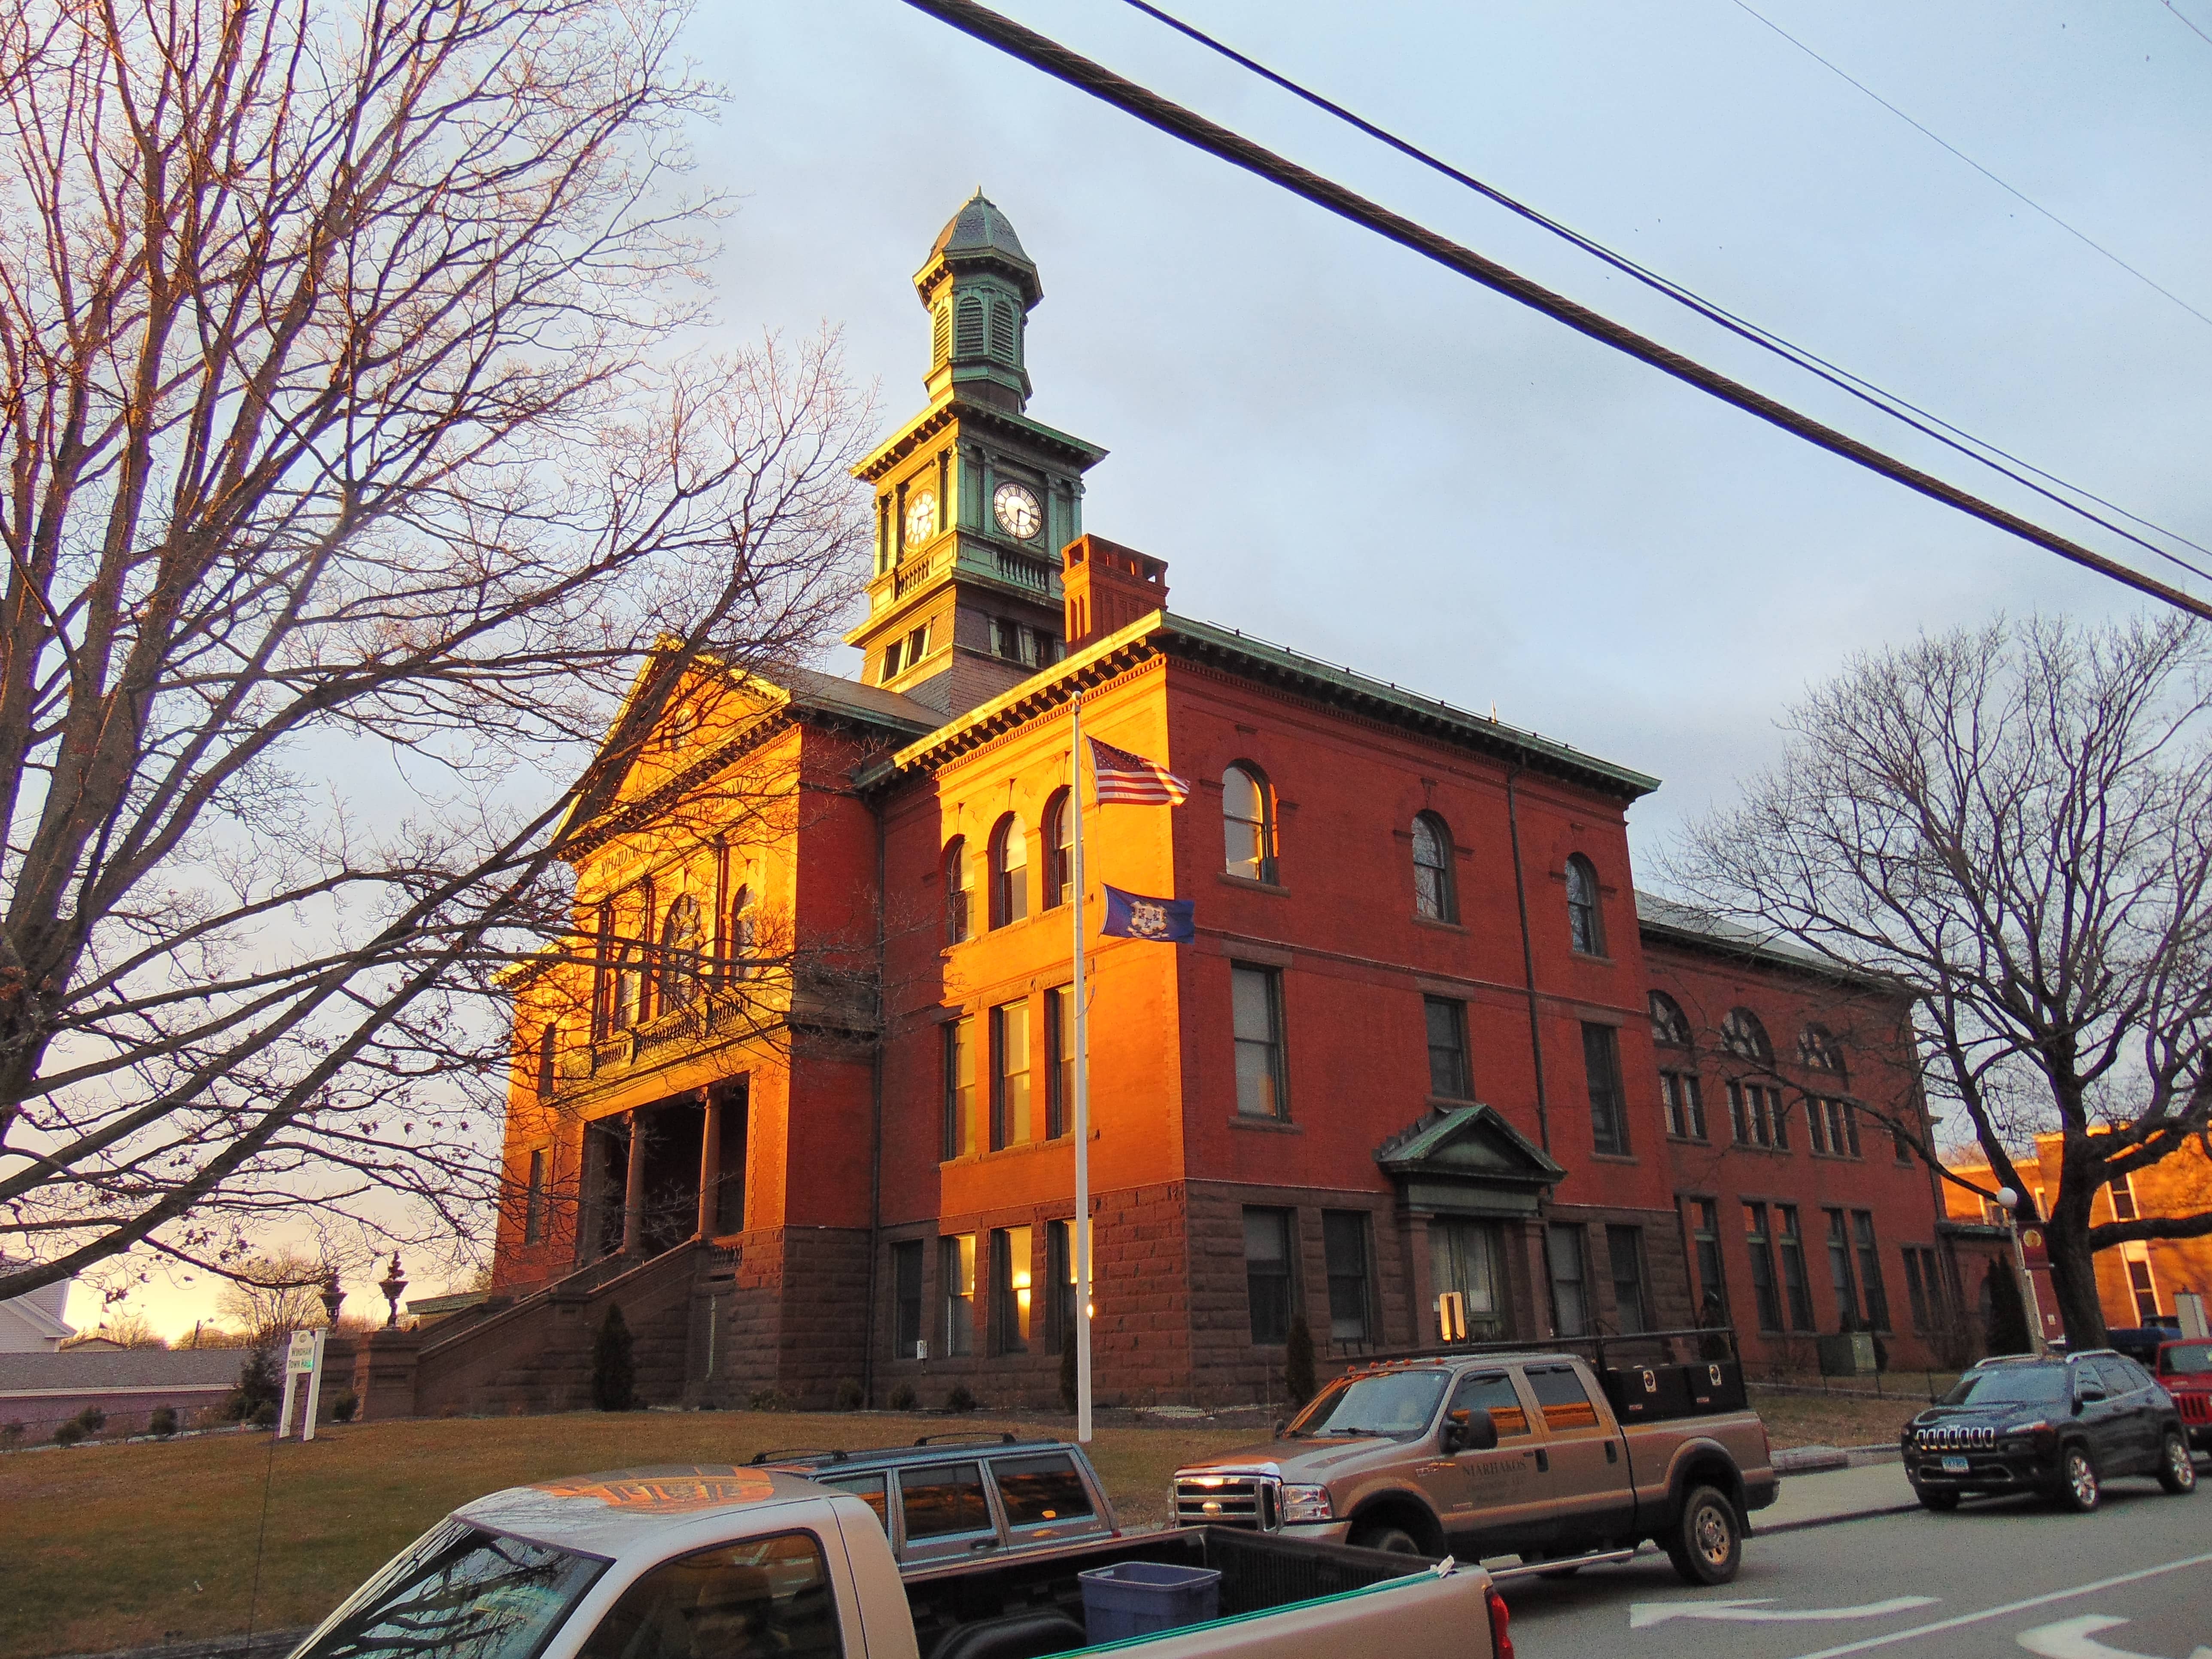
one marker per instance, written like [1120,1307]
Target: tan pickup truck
[1491,1454]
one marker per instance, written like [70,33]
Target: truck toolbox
[1715,1385]
[1643,1393]
[1135,1598]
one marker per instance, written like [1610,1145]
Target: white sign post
[303,1358]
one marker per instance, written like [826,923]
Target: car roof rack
[800,1454]
[971,1438]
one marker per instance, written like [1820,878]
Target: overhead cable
[1042,53]
[1889,402]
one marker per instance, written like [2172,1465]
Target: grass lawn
[120,1546]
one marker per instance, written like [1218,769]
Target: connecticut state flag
[1132,916]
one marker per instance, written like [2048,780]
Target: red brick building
[800,1082]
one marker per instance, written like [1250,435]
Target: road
[1994,1581]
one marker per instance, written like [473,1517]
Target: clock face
[920,516]
[1015,506]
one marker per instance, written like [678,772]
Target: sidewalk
[1816,1500]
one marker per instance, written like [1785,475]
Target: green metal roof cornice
[1241,654]
[979,417]
[1425,1149]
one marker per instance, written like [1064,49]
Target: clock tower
[974,498]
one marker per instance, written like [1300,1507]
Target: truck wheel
[1395,1540]
[1941,1502]
[2079,1489]
[2176,1468]
[1704,1544]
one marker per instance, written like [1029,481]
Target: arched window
[1433,893]
[1009,871]
[1248,822]
[679,954]
[1059,851]
[956,890]
[1742,1036]
[1670,1026]
[1819,1051]
[741,934]
[626,1005]
[1584,925]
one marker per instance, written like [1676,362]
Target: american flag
[1132,780]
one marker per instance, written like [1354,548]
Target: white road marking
[2074,1638]
[1758,1609]
[2139,1574]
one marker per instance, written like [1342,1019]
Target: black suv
[2061,1425]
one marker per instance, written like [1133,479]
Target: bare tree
[2011,823]
[270,1296]
[363,502]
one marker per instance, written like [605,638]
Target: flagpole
[1082,1103]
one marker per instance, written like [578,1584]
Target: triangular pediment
[1469,1143]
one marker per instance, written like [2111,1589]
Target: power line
[1053,59]
[1965,443]
[2185,23]
[2080,236]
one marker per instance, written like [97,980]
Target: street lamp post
[394,1284]
[2010,1201]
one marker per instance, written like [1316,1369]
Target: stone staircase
[535,1354]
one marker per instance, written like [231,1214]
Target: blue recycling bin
[1136,1598]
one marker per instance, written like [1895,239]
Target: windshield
[2185,1360]
[461,1593]
[2003,1384]
[1398,1402]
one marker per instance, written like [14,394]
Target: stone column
[634,1187]
[384,1365]
[710,1163]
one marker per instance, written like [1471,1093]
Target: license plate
[1955,1466]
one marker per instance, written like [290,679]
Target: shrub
[70,1433]
[258,1385]
[264,1415]
[850,1395]
[345,1404]
[92,1420]
[902,1397]
[12,1434]
[1067,1396]
[1298,1362]
[770,1399]
[960,1400]
[163,1422]
[614,1365]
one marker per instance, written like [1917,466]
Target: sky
[1343,448]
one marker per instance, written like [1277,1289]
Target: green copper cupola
[978,286]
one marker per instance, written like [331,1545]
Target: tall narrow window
[1839,1271]
[956,890]
[1816,1123]
[1268,1275]
[967,326]
[1010,1074]
[2123,1193]
[1686,1104]
[1256,995]
[1009,1290]
[1433,894]
[1059,851]
[1608,1113]
[1916,1293]
[629,1001]
[1060,1283]
[548,1062]
[1796,1284]
[1624,1250]
[1059,1060]
[1585,925]
[1344,1244]
[1869,1263]
[1009,871]
[1563,1255]
[959,1088]
[1002,331]
[679,954]
[1760,1245]
[1449,1076]
[957,1270]
[742,935]
[534,1200]
[1248,823]
[2142,1286]
[906,1298]
[1706,1251]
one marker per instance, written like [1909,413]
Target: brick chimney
[1106,586]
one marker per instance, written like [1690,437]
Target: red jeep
[2184,1369]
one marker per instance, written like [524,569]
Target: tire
[2177,1466]
[2080,1487]
[1706,1542]
[1391,1541]
[1942,1503]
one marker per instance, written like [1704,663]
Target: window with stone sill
[1248,823]
[1434,894]
[1009,871]
[1585,919]
[1450,1077]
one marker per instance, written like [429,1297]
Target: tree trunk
[2074,1278]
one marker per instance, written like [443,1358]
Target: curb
[1777,1528]
[1811,1460]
